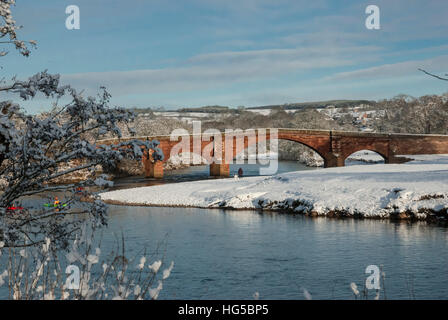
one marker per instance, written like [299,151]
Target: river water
[233,254]
[222,254]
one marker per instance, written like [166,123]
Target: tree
[405,114]
[8,30]
[438,110]
[36,150]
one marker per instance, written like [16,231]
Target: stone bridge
[333,146]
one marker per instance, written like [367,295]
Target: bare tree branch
[433,75]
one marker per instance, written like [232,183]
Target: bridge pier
[220,170]
[334,161]
[153,169]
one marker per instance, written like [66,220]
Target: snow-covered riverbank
[418,189]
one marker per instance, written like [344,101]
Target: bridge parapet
[293,131]
[334,146]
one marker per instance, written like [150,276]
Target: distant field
[286,106]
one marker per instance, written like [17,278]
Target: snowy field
[266,112]
[417,189]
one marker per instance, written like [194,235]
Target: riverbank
[414,190]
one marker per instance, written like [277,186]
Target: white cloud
[223,68]
[289,39]
[400,69]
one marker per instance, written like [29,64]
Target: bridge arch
[187,157]
[365,156]
[381,149]
[309,145]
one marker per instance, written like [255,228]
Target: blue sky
[152,53]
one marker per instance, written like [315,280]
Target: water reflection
[202,172]
[231,254]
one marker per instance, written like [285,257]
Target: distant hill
[286,106]
[316,104]
[208,109]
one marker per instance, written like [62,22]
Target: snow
[427,158]
[266,112]
[182,114]
[418,188]
[366,156]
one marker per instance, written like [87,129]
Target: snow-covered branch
[9,28]
[36,150]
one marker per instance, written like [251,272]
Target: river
[222,254]
[233,254]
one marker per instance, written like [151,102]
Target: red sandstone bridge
[333,146]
